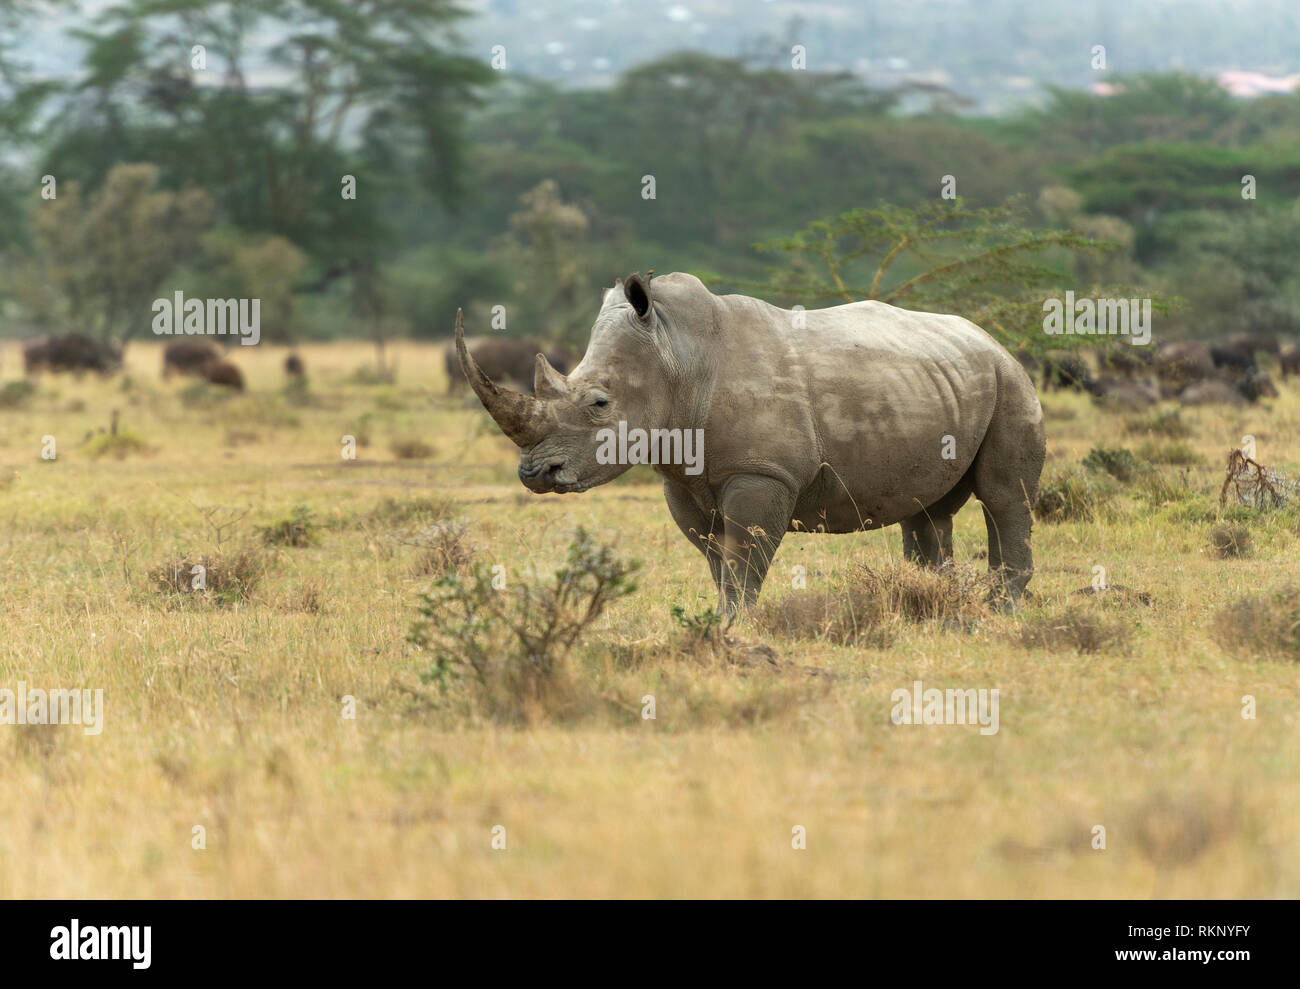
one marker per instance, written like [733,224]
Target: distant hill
[990,54]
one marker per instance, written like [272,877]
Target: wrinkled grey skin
[835,425]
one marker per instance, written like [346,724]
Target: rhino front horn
[521,417]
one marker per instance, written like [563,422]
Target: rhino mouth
[550,475]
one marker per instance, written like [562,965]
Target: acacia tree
[100,259]
[984,264]
[545,248]
[268,104]
[252,266]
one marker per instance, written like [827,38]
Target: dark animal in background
[70,352]
[1230,389]
[1256,384]
[1288,358]
[293,366]
[1127,361]
[1124,393]
[223,373]
[1255,343]
[1028,361]
[188,357]
[1233,358]
[1239,351]
[1181,363]
[1068,373]
[1212,392]
[505,359]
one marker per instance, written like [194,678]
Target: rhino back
[853,405]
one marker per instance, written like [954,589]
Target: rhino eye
[600,403]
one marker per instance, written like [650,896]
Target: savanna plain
[285,711]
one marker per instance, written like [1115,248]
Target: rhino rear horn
[521,417]
[548,383]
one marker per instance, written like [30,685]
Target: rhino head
[622,378]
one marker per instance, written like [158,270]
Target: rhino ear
[548,383]
[637,291]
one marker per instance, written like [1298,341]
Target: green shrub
[119,444]
[1117,462]
[299,529]
[509,646]
[16,394]
[1071,495]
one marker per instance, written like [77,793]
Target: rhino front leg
[756,514]
[704,530]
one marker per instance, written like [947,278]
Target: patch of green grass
[1118,462]
[1072,495]
[299,529]
[1167,422]
[1175,453]
[121,444]
[16,394]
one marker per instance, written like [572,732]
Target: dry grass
[1262,625]
[235,718]
[1081,629]
[1229,540]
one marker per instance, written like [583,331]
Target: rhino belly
[898,432]
[848,498]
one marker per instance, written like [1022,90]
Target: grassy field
[226,711]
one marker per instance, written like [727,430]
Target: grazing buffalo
[1230,389]
[1126,394]
[70,352]
[1180,363]
[1126,360]
[762,421]
[1256,384]
[505,359]
[293,366]
[188,357]
[1215,391]
[1239,351]
[1067,372]
[223,373]
[1288,358]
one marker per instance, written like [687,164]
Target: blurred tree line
[226,172]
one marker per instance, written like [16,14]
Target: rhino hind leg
[1005,478]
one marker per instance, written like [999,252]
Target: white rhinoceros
[830,420]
